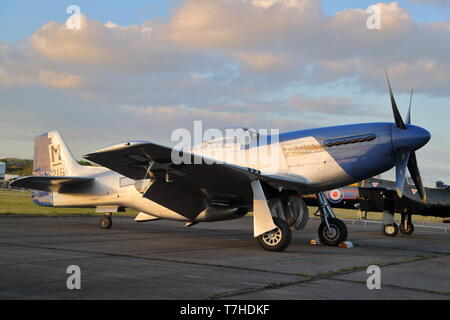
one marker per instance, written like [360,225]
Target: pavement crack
[330,275]
[120,255]
[445,293]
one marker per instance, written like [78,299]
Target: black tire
[105,223]
[409,230]
[278,239]
[336,235]
[390,230]
[300,221]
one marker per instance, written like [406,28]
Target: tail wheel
[336,234]
[105,223]
[390,230]
[408,229]
[277,239]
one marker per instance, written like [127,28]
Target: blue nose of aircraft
[411,138]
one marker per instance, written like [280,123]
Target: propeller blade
[402,158]
[408,117]
[398,118]
[415,175]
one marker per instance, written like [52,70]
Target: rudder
[52,157]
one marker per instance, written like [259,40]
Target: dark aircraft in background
[380,195]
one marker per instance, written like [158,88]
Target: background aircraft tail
[52,157]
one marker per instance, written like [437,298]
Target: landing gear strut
[332,231]
[106,221]
[389,227]
[406,225]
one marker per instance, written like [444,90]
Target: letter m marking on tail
[55,155]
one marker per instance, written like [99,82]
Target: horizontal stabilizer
[49,183]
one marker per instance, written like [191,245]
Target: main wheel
[277,239]
[292,209]
[335,235]
[105,223]
[408,230]
[390,230]
[300,216]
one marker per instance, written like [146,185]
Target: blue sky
[19,19]
[226,64]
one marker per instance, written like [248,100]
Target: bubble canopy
[230,135]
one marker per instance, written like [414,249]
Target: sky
[137,70]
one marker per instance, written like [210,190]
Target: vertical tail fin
[52,157]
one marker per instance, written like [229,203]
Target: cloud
[248,59]
[241,23]
[227,62]
[274,36]
[262,62]
[14,66]
[333,106]
[94,44]
[440,3]
[59,79]
[110,47]
[267,45]
[20,67]
[181,116]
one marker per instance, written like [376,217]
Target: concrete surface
[164,260]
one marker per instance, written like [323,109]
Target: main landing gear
[388,226]
[391,229]
[277,239]
[332,231]
[406,225]
[289,214]
[106,221]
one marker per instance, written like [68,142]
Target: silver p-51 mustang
[185,185]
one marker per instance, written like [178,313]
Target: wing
[298,183]
[144,160]
[195,177]
[194,184]
[373,192]
[49,183]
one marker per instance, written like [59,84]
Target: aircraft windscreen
[229,135]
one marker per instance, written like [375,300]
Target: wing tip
[116,147]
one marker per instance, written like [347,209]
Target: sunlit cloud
[227,62]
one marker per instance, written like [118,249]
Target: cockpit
[230,137]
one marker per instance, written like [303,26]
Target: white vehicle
[2,170]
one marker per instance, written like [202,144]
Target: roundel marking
[336,195]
